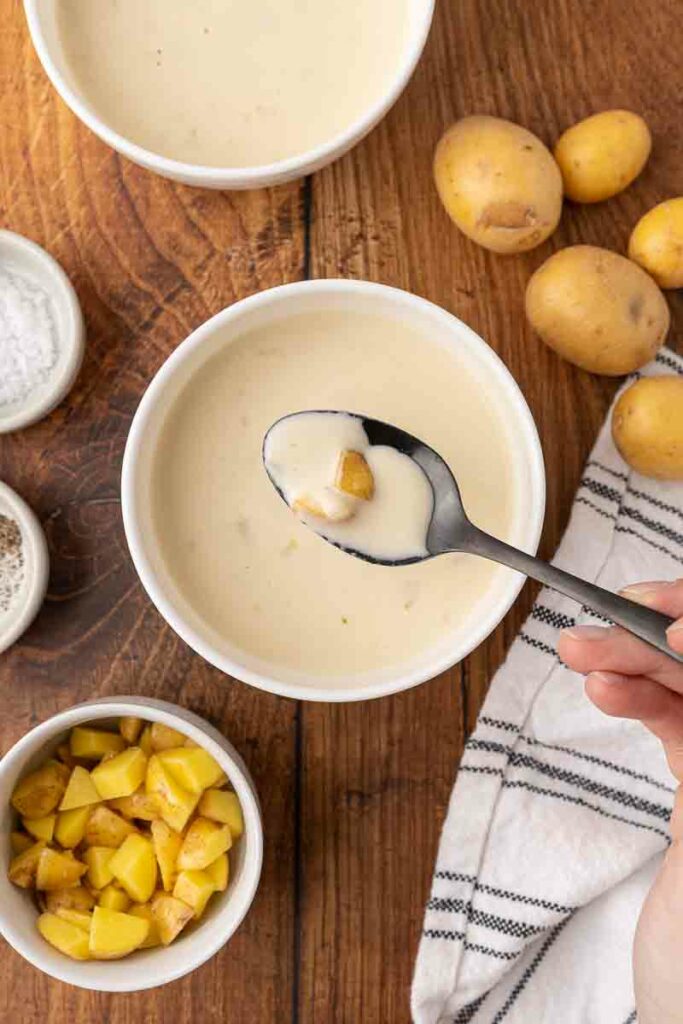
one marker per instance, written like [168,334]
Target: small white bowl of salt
[41,333]
[24,566]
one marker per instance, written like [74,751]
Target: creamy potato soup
[232,83]
[257,575]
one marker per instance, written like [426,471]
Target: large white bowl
[276,304]
[41,19]
[148,967]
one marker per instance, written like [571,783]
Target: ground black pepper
[11,561]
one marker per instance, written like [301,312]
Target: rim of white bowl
[402,680]
[37,564]
[237,177]
[71,341]
[202,732]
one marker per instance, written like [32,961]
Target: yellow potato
[134,866]
[138,805]
[65,936]
[19,841]
[114,898]
[219,872]
[222,805]
[203,842]
[106,828]
[194,888]
[144,910]
[113,934]
[23,868]
[499,183]
[77,917]
[647,426]
[192,767]
[41,828]
[39,793]
[171,916]
[176,804]
[167,845]
[328,505]
[97,859]
[120,775]
[601,155]
[597,309]
[145,741]
[93,744]
[130,728]
[70,827]
[80,791]
[354,476]
[163,737]
[657,243]
[77,898]
[58,870]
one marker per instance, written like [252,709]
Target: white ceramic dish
[150,967]
[277,303]
[26,603]
[24,257]
[42,25]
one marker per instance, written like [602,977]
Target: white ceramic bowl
[27,601]
[150,967]
[280,303]
[42,25]
[25,258]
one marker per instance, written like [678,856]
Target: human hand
[626,678]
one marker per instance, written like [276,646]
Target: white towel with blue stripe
[558,820]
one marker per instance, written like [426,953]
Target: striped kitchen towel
[558,820]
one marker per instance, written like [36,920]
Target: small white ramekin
[279,303]
[149,967]
[31,594]
[40,15]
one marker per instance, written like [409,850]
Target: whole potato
[647,426]
[499,183]
[597,309]
[602,155]
[657,243]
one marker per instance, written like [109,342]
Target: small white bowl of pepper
[24,566]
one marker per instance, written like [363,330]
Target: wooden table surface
[353,796]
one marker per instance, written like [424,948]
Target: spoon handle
[643,622]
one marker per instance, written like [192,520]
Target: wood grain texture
[353,796]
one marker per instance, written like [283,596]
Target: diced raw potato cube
[192,767]
[19,842]
[65,936]
[144,910]
[171,916]
[223,805]
[163,737]
[176,804]
[93,744]
[120,776]
[140,805]
[106,828]
[80,792]
[194,888]
[204,841]
[114,898]
[167,845]
[39,793]
[70,827]
[23,868]
[78,917]
[76,898]
[58,870]
[135,867]
[113,934]
[354,476]
[145,741]
[219,872]
[130,728]
[97,859]
[41,828]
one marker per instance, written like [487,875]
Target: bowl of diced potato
[132,843]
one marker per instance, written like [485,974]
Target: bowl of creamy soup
[246,582]
[235,93]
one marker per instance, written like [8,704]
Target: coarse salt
[28,336]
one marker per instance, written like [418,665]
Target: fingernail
[644,593]
[609,678]
[586,632]
[674,635]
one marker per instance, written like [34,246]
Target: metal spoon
[450,530]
